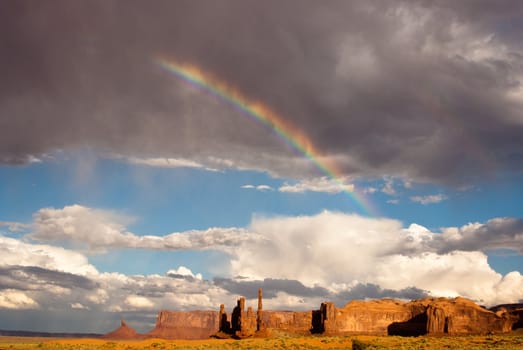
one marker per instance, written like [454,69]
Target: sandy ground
[282,342]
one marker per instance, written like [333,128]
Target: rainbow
[289,133]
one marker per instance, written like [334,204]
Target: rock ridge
[428,316]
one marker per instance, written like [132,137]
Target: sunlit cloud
[300,261]
[165,162]
[99,230]
[322,184]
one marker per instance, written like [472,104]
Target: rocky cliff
[462,316]
[425,316]
[370,317]
[185,324]
[290,321]
[515,310]
[436,316]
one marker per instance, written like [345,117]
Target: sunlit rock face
[424,316]
[431,316]
[185,324]
[123,332]
[462,316]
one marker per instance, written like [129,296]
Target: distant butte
[429,316]
[124,332]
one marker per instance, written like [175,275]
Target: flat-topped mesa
[379,317]
[185,324]
[462,316]
[457,316]
[438,316]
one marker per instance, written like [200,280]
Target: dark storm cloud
[271,287]
[372,291]
[37,278]
[426,90]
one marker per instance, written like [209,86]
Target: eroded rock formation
[426,316]
[515,310]
[124,332]
[462,316]
[243,323]
[259,322]
[432,316]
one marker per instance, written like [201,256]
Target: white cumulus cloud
[17,252]
[299,260]
[101,229]
[330,249]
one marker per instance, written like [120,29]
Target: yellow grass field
[283,342]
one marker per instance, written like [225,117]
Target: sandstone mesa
[428,316]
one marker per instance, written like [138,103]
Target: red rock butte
[123,332]
[429,316]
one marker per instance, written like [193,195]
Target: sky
[180,154]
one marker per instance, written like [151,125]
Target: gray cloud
[330,256]
[59,320]
[372,291]
[183,277]
[292,249]
[323,184]
[270,286]
[498,233]
[429,199]
[14,226]
[406,88]
[34,278]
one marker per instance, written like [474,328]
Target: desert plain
[276,341]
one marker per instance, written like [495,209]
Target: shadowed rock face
[515,310]
[185,324]
[242,323]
